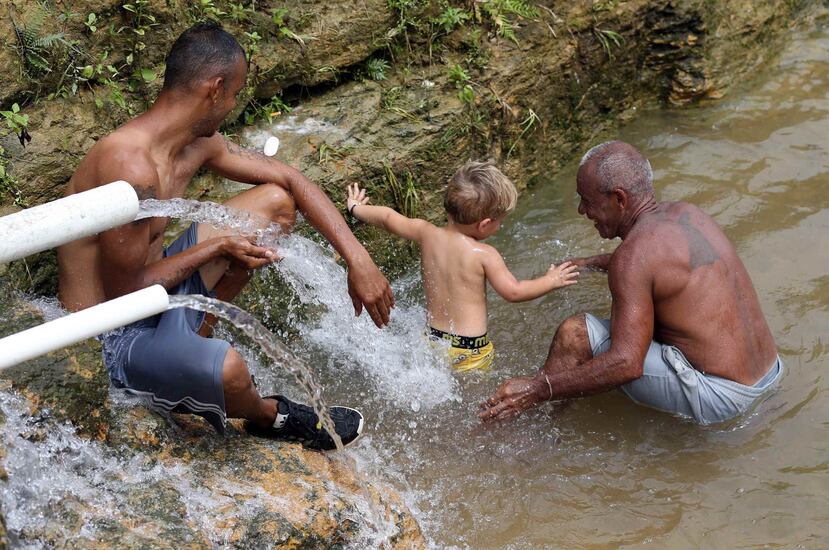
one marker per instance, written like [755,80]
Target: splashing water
[215,214]
[270,345]
[404,367]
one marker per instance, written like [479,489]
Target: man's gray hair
[620,165]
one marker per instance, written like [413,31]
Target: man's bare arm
[125,249]
[600,262]
[632,329]
[366,285]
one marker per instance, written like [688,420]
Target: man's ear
[216,88]
[484,224]
[621,197]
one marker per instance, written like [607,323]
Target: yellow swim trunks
[466,352]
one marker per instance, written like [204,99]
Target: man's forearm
[321,213]
[602,373]
[600,262]
[171,271]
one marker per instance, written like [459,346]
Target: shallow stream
[606,472]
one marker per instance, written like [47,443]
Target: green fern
[498,11]
[39,53]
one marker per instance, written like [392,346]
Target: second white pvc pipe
[84,324]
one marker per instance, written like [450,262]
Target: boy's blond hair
[477,191]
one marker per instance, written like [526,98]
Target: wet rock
[174,483]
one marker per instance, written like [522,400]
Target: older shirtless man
[686,334]
[165,358]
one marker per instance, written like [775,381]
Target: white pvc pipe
[67,219]
[84,324]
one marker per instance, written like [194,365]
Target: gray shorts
[164,360]
[669,383]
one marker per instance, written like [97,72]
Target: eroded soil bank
[401,96]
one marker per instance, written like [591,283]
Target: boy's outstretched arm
[383,217]
[513,290]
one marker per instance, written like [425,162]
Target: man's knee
[281,207]
[572,333]
[235,375]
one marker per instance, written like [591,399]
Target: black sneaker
[300,423]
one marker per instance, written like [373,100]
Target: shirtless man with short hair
[686,333]
[164,358]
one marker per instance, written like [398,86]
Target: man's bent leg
[227,280]
[570,348]
[267,201]
[570,345]
[241,398]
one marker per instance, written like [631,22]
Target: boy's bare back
[454,279]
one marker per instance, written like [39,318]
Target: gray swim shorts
[669,383]
[164,360]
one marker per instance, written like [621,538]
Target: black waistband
[465,342]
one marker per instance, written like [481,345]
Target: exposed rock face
[178,486]
[576,71]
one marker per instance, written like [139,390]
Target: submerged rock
[87,469]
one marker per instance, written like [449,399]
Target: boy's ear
[484,223]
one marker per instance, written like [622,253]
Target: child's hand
[356,196]
[563,274]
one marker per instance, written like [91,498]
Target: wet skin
[158,153]
[676,279]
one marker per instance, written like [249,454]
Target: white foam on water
[405,368]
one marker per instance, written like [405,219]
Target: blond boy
[456,265]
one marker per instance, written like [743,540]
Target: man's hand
[241,251]
[563,274]
[513,397]
[368,287]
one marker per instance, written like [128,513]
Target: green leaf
[148,75]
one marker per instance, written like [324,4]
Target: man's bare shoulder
[121,155]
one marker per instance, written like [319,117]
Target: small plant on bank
[531,120]
[405,195]
[256,110]
[608,39]
[461,80]
[91,23]
[17,123]
[499,12]
[208,9]
[9,188]
[376,68]
[278,18]
[451,18]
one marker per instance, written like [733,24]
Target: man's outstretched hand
[369,288]
[515,396]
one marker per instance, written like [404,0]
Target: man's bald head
[617,165]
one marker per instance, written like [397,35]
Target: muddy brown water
[606,472]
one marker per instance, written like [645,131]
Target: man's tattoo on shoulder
[700,250]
